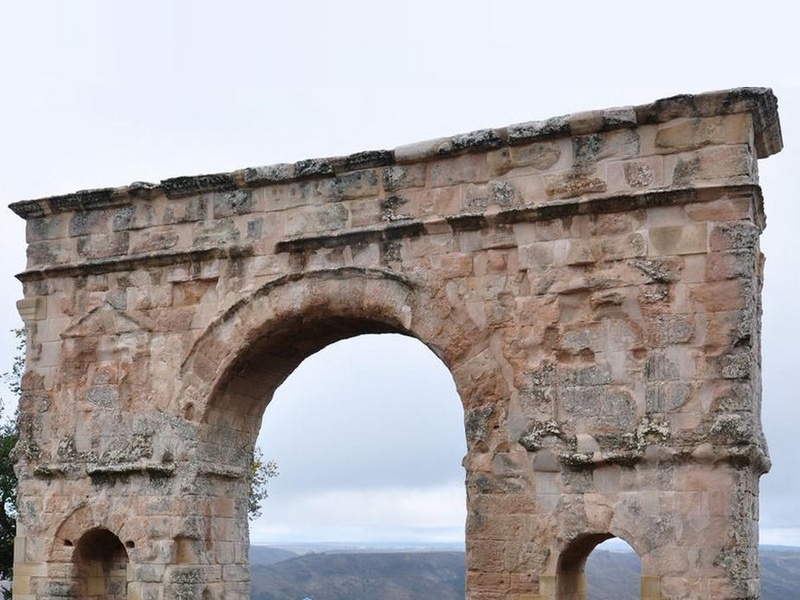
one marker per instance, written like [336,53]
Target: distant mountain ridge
[267,555]
[356,574]
[362,576]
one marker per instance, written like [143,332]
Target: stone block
[580,253]
[226,204]
[718,164]
[159,240]
[366,213]
[636,174]
[604,406]
[447,200]
[607,480]
[220,233]
[539,157]
[573,183]
[399,177]
[738,365]
[312,220]
[103,246]
[740,235]
[724,210]
[90,221]
[689,134]
[694,268]
[186,210]
[619,247]
[651,587]
[731,265]
[666,397]
[49,227]
[594,147]
[742,589]
[678,240]
[553,230]
[468,168]
[545,461]
[32,309]
[235,573]
[615,224]
[666,330]
[455,265]
[717,296]
[358,184]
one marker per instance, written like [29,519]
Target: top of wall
[760,103]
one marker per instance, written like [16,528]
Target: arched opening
[234,371]
[599,566]
[614,572]
[369,437]
[100,566]
[234,368]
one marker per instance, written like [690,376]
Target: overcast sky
[368,435]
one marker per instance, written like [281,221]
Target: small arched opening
[100,566]
[599,566]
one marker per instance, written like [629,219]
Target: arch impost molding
[133,262]
[592,281]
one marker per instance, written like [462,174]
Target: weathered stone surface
[591,281]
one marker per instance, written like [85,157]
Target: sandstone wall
[591,281]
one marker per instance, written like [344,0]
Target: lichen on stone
[647,431]
[539,431]
[476,424]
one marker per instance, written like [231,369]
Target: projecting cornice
[760,103]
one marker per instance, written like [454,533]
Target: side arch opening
[599,566]
[100,566]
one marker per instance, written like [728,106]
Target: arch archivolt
[319,307]
[92,516]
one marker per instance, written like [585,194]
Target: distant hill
[362,576]
[613,576]
[440,575]
[266,555]
[780,573]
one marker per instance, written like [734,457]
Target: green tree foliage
[8,497]
[262,471]
[8,479]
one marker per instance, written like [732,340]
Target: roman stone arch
[592,282]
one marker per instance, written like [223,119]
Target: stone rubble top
[761,103]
